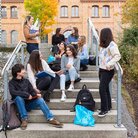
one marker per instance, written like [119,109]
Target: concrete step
[89,74]
[65,116]
[73,94]
[56,104]
[92,83]
[44,130]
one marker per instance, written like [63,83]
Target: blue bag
[84,117]
[51,59]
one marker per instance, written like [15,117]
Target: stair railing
[93,41]
[17,56]
[119,71]
[94,48]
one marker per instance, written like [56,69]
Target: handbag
[84,117]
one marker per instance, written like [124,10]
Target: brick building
[70,13]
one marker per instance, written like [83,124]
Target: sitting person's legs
[20,103]
[73,76]
[83,64]
[39,102]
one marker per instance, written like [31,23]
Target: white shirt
[109,56]
[31,75]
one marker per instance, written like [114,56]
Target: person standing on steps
[108,56]
[36,65]
[70,66]
[26,98]
[83,53]
[30,35]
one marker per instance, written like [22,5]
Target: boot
[47,96]
[24,124]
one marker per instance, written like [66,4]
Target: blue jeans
[84,61]
[32,46]
[71,75]
[32,104]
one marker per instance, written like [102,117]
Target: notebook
[43,74]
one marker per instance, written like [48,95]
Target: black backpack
[10,119]
[85,99]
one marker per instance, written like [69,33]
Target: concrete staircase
[104,127]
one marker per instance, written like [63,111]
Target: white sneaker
[71,88]
[63,98]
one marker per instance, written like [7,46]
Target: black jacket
[21,88]
[57,39]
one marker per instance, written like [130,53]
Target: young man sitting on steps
[26,98]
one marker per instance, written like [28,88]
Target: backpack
[85,99]
[10,119]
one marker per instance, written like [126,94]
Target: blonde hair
[81,42]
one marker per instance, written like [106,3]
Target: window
[95,11]
[106,11]
[3,37]
[75,11]
[64,11]
[14,37]
[3,12]
[14,12]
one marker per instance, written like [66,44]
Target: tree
[44,10]
[130,12]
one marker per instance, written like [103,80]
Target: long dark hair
[58,31]
[35,61]
[65,46]
[106,37]
[73,50]
[76,33]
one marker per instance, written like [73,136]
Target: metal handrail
[12,59]
[92,30]
[119,97]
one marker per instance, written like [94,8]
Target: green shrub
[129,52]
[6,49]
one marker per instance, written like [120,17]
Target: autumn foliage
[44,10]
[130,12]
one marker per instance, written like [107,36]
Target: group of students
[72,54]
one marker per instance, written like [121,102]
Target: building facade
[103,13]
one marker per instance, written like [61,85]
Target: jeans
[24,106]
[31,46]
[84,62]
[105,77]
[47,83]
[71,75]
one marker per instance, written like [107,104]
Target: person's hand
[37,90]
[108,68]
[68,66]
[57,56]
[37,34]
[59,72]
[30,97]
[39,95]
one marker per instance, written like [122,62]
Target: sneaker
[63,98]
[71,88]
[56,123]
[24,124]
[99,110]
[102,113]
